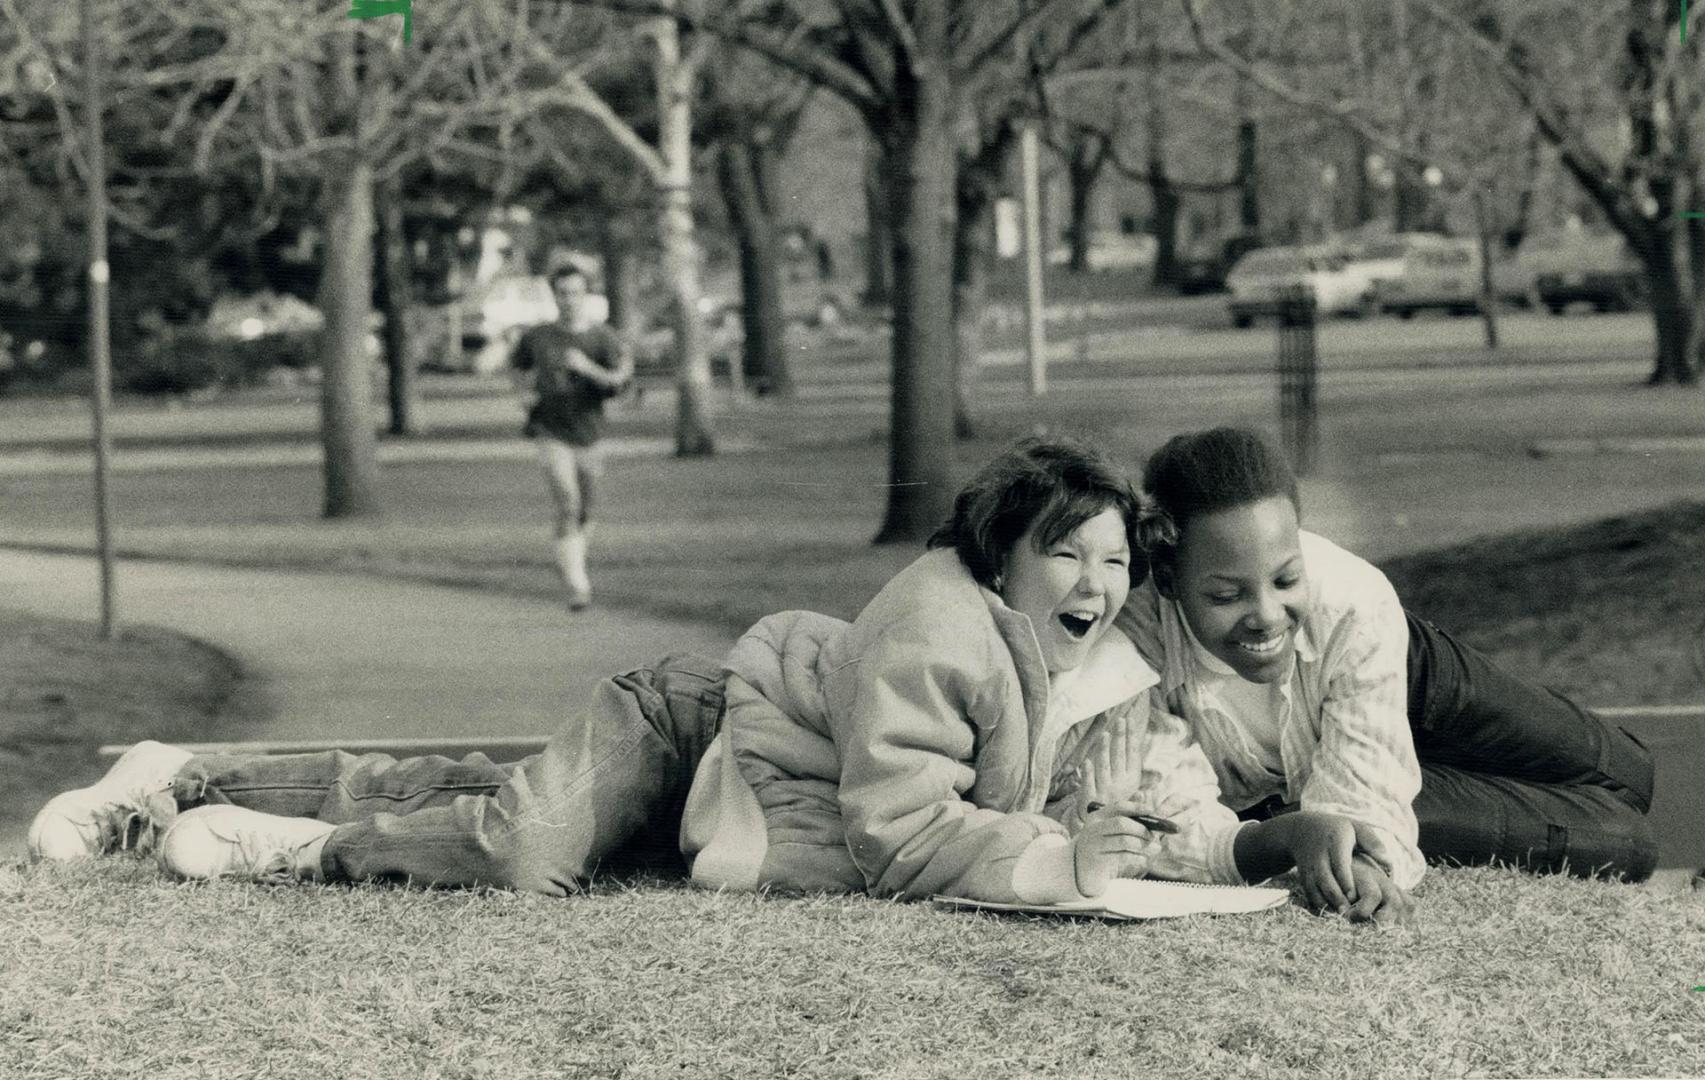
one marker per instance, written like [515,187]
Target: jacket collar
[1113,672]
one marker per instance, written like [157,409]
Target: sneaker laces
[136,828]
[264,858]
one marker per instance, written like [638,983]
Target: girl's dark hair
[1055,483]
[1205,472]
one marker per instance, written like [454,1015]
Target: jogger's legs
[572,473]
[1509,766]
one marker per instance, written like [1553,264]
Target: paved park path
[348,656]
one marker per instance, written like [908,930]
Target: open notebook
[1144,898]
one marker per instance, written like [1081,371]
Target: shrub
[180,362]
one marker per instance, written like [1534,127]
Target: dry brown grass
[107,969]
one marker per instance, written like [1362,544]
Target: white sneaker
[233,841]
[126,809]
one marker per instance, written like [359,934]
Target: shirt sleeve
[907,732]
[1365,768]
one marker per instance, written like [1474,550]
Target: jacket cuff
[1046,872]
[1222,853]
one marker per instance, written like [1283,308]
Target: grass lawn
[110,970]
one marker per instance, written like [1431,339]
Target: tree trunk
[1165,200]
[1248,180]
[1083,169]
[615,252]
[973,228]
[920,158]
[1673,318]
[675,79]
[1361,184]
[1409,204]
[1532,163]
[750,210]
[1488,287]
[346,291]
[879,235]
[393,265]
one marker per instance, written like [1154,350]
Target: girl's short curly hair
[1055,484]
[1204,472]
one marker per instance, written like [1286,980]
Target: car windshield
[1273,262]
[1446,257]
[1385,249]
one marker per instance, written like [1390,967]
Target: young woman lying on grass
[950,739]
[1309,685]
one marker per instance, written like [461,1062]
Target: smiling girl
[1310,686]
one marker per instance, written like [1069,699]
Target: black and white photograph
[852,539]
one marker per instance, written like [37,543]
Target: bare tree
[751,118]
[1620,118]
[910,70]
[245,87]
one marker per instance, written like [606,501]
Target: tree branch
[903,35]
[780,48]
[1344,112]
[1516,70]
[1000,46]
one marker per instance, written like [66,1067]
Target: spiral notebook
[1145,898]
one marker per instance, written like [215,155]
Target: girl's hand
[1379,900]
[1113,768]
[1318,845]
[1323,847]
[1110,845]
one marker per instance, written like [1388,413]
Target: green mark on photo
[374,9]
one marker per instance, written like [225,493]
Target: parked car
[1443,273]
[1203,269]
[1260,279]
[1375,260]
[1571,268]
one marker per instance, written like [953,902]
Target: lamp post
[1035,312]
[100,346]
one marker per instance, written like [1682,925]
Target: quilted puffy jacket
[902,753]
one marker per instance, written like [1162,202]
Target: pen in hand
[1147,821]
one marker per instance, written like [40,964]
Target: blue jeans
[610,783]
[1514,772]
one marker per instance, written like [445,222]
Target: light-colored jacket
[1344,737]
[902,753]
